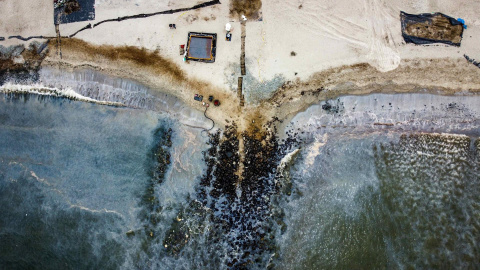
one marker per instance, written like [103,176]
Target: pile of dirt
[249,8]
[71,6]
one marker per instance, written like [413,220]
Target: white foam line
[104,210]
[285,162]
[48,91]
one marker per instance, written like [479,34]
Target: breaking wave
[38,89]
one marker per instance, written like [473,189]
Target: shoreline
[447,76]
[290,55]
[126,64]
[63,82]
[329,120]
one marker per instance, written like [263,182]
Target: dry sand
[347,47]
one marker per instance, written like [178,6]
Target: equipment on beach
[198,97]
[182,49]
[216,102]
[201,47]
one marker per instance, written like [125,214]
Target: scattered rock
[20,64]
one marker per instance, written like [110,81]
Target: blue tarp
[200,47]
[463,22]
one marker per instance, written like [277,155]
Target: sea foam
[39,89]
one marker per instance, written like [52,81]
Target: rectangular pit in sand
[201,47]
[429,28]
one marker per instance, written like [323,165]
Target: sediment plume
[152,209]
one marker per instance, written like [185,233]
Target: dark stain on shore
[139,56]
[149,61]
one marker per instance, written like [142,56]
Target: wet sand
[437,76]
[296,54]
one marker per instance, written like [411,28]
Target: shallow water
[72,178]
[374,203]
[85,186]
[368,196]
[102,87]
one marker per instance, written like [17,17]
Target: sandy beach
[292,49]
[346,134]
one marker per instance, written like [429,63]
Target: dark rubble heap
[239,209]
[152,210]
[20,64]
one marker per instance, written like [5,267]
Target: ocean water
[389,182]
[74,177]
[366,202]
[368,196]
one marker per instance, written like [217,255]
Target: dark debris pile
[238,208]
[20,64]
[152,209]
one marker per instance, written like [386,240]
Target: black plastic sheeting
[30,37]
[86,13]
[408,19]
[471,60]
